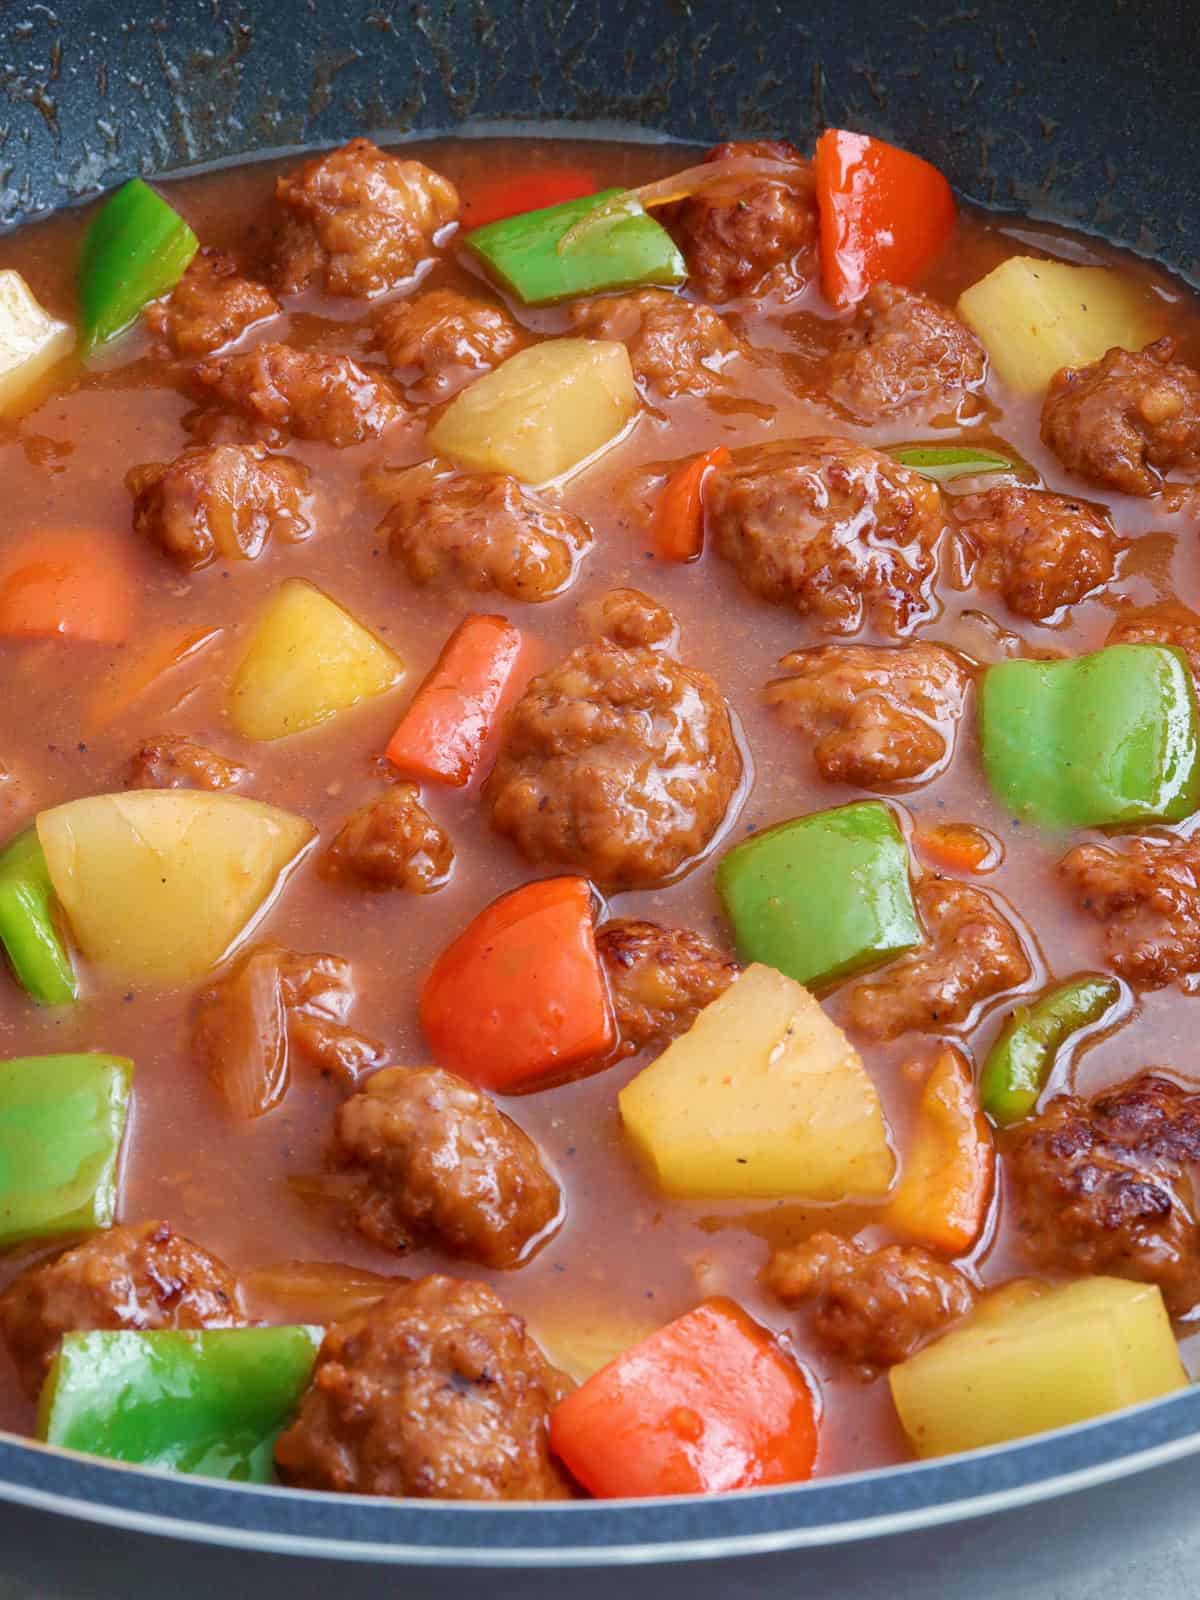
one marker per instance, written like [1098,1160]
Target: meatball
[875,715]
[480,531]
[660,979]
[1179,629]
[675,346]
[445,339]
[618,763]
[438,1393]
[279,392]
[170,761]
[1105,1186]
[358,220]
[971,953]
[210,306]
[750,234]
[222,501]
[442,1165]
[1126,419]
[1041,551]
[392,843]
[869,1308]
[628,617]
[140,1276]
[1148,898]
[904,355]
[831,528]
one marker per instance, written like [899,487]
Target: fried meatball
[131,1276]
[675,346]
[875,715]
[971,953]
[1178,629]
[482,531]
[222,501]
[832,528]
[628,617]
[1147,895]
[905,355]
[442,340]
[358,220]
[1106,1186]
[170,761]
[660,979]
[437,1393]
[392,843]
[868,1308]
[618,763]
[212,305]
[1041,551]
[442,1165]
[277,392]
[1127,419]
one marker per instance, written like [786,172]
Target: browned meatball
[442,1165]
[832,528]
[481,531]
[905,355]
[140,1276]
[971,953]
[869,1308]
[210,306]
[1127,419]
[223,501]
[750,235]
[660,979]
[1147,895]
[675,346]
[628,617]
[171,761]
[280,392]
[875,715]
[442,340]
[619,763]
[392,843]
[1105,1186]
[358,220]
[1041,551]
[437,1393]
[1174,627]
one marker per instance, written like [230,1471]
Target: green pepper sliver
[944,462]
[38,955]
[1102,739]
[62,1119]
[522,252]
[1020,1061]
[823,896]
[136,248]
[210,1403]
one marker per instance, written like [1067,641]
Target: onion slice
[325,1291]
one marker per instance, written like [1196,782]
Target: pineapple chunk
[1035,317]
[307,660]
[1028,1361]
[541,413]
[764,1095]
[31,340]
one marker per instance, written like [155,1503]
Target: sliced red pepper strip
[679,515]
[530,191]
[949,1169]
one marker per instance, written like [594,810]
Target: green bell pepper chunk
[822,896]
[27,931]
[136,248]
[210,1403]
[1019,1062]
[944,462]
[1102,739]
[61,1123]
[522,252]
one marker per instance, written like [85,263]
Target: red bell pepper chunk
[484,665]
[884,214]
[528,191]
[520,994]
[708,1403]
[679,515]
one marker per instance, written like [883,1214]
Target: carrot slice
[708,1403]
[74,583]
[531,191]
[484,665]
[959,847]
[679,515]
[946,1185]
[521,993]
[884,214]
[133,679]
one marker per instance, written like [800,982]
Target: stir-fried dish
[599,876]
